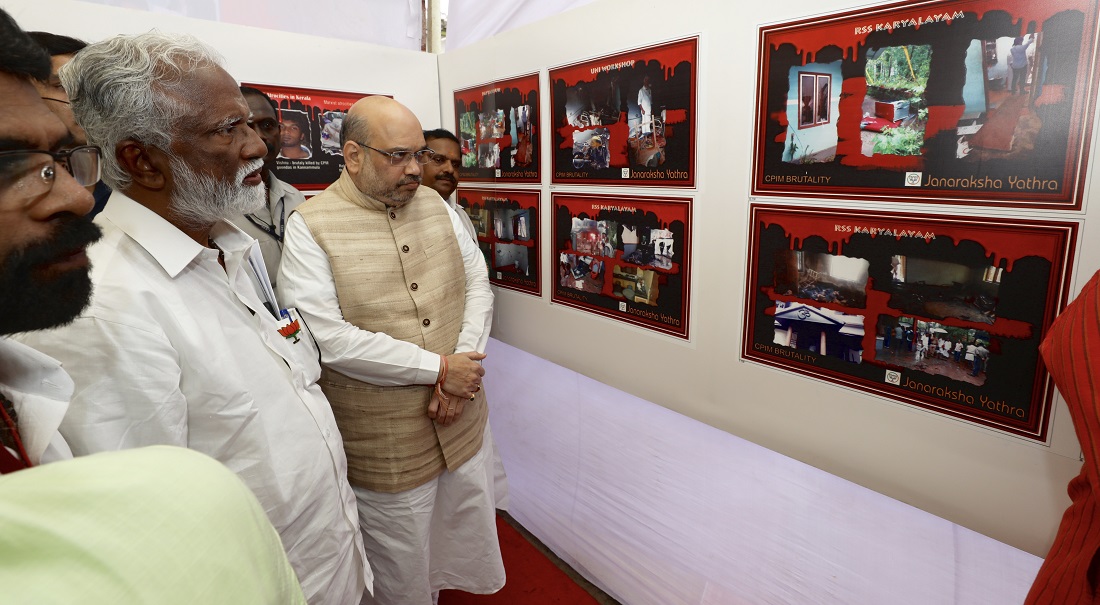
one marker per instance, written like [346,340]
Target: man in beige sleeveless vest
[397,296]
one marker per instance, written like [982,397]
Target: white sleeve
[306,282]
[477,319]
[127,385]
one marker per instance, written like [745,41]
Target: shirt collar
[171,248]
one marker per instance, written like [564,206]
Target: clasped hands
[461,379]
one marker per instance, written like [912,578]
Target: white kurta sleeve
[127,385]
[306,282]
[478,316]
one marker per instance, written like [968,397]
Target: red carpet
[532,578]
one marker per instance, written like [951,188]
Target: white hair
[201,200]
[125,88]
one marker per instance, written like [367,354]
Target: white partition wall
[1003,487]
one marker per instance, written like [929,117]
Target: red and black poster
[498,124]
[627,119]
[507,224]
[941,312]
[311,157]
[628,258]
[978,102]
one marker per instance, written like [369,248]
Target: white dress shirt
[176,350]
[463,216]
[305,280]
[39,390]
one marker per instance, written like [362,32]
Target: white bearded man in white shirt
[184,342]
[396,292]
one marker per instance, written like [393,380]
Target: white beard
[200,200]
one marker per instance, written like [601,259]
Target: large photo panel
[980,102]
[624,257]
[627,119]
[498,124]
[944,313]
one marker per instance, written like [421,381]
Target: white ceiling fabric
[393,23]
[471,20]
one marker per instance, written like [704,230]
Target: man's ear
[353,157]
[146,165]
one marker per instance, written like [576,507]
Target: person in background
[268,223]
[441,171]
[1017,61]
[645,106]
[61,50]
[149,525]
[182,343]
[401,338]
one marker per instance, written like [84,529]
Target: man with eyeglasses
[61,50]
[441,170]
[396,293]
[43,236]
[268,223]
[184,342]
[150,525]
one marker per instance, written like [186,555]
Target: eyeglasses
[438,159]
[55,100]
[400,158]
[32,172]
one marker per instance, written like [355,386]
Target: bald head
[374,129]
[373,112]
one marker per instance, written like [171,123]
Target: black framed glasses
[32,172]
[400,158]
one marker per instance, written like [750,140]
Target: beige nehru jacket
[397,271]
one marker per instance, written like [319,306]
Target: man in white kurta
[183,342]
[176,350]
[424,482]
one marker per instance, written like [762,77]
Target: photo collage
[626,119]
[507,225]
[498,125]
[944,312]
[624,257]
[980,102]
